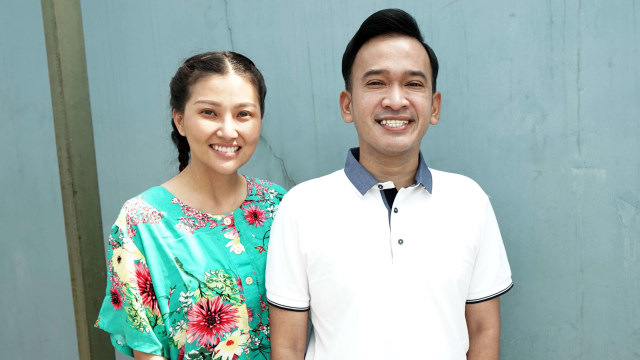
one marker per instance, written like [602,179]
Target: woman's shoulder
[146,207]
[261,187]
[153,197]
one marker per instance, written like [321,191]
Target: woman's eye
[244,114]
[208,112]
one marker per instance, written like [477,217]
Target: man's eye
[414,84]
[375,83]
[244,114]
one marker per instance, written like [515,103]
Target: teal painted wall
[36,309]
[541,106]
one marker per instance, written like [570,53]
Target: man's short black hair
[380,23]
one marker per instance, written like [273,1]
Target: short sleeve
[286,274]
[491,274]
[129,311]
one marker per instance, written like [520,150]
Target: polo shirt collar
[363,180]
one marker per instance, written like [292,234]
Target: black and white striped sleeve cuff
[287,307]
[492,296]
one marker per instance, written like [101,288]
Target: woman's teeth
[225,149]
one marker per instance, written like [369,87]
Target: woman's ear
[178,120]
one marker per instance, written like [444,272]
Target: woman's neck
[208,192]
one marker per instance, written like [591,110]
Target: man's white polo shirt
[386,283]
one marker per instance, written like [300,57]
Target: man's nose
[395,98]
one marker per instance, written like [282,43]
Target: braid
[182,145]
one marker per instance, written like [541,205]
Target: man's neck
[400,169]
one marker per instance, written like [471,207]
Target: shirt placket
[245,270]
[402,226]
[396,240]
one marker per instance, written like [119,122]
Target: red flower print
[145,287]
[116,298]
[254,216]
[210,319]
[260,249]
[115,280]
[250,314]
[194,219]
[261,189]
[181,353]
[139,212]
[239,284]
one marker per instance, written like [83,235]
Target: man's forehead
[392,53]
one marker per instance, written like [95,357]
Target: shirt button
[380,186]
[248,280]
[395,210]
[400,241]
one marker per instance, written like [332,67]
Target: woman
[186,259]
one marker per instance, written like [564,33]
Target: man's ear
[435,108]
[345,106]
[178,120]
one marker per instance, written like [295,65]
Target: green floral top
[188,285]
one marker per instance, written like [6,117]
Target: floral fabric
[189,285]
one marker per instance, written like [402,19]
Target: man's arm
[483,324]
[288,333]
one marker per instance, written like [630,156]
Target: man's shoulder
[325,183]
[318,191]
[452,183]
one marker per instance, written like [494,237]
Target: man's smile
[394,123]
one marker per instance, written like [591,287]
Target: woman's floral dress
[188,285]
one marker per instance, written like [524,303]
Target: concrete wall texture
[541,106]
[36,309]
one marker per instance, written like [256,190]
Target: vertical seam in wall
[226,19]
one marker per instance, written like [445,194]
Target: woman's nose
[227,129]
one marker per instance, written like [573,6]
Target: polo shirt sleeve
[286,275]
[491,274]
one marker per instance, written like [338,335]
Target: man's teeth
[226,149]
[394,123]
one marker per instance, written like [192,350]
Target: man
[393,260]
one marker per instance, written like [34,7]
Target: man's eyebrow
[374,72]
[416,73]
